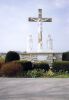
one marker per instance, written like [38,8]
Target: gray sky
[15,28]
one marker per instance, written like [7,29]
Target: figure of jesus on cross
[40,20]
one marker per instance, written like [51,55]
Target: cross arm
[46,19]
[33,19]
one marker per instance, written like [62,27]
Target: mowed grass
[61,75]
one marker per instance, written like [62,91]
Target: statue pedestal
[42,56]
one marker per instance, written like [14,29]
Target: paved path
[34,89]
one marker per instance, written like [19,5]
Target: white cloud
[61,3]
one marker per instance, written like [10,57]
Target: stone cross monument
[40,20]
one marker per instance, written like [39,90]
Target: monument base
[49,57]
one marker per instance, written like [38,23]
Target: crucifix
[40,20]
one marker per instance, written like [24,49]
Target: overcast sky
[15,27]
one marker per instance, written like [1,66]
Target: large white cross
[40,20]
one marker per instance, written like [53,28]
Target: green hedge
[22,68]
[1,64]
[41,65]
[60,66]
[26,65]
[65,56]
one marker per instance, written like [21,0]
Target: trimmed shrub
[35,73]
[65,56]
[50,73]
[12,56]
[11,69]
[60,66]
[1,64]
[41,65]
[26,65]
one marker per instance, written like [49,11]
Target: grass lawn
[61,75]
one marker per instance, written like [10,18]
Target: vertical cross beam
[40,13]
[39,30]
